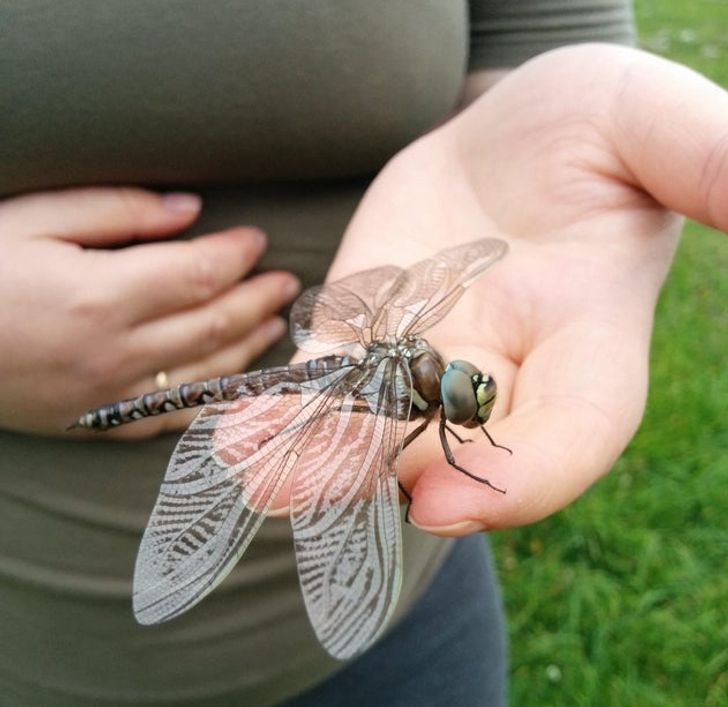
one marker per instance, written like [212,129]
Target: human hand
[578,159]
[84,322]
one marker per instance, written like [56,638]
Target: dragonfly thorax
[467,394]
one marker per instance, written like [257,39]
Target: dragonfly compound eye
[485,392]
[458,394]
[465,367]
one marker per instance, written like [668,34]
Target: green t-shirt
[279,113]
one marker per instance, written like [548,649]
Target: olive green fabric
[278,113]
[507,32]
[254,91]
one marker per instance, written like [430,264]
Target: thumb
[98,217]
[669,131]
[551,464]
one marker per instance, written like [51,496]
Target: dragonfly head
[467,394]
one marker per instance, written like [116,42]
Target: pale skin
[578,159]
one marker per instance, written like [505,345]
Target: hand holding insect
[576,159]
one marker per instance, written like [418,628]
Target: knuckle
[85,346]
[89,306]
[201,278]
[98,370]
[134,202]
[217,329]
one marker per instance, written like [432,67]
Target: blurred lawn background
[622,599]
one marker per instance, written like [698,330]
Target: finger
[98,217]
[232,359]
[187,336]
[155,279]
[669,130]
[572,415]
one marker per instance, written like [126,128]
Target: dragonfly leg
[492,441]
[411,437]
[451,459]
[416,432]
[460,439]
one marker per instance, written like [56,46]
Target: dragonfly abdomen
[190,395]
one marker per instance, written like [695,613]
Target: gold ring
[161,381]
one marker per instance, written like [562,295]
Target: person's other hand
[579,160]
[85,322]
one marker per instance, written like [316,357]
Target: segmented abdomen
[189,395]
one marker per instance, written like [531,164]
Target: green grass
[622,599]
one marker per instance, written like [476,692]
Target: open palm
[579,159]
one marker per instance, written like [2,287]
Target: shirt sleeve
[506,33]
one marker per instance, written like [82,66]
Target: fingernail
[260,240]
[291,287]
[181,202]
[465,527]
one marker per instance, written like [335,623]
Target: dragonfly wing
[345,515]
[339,314]
[370,305]
[223,476]
[426,292]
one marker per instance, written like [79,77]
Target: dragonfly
[331,430]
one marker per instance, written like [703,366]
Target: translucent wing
[373,304]
[339,315]
[223,475]
[426,292]
[345,514]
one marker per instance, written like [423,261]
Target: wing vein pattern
[225,472]
[345,514]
